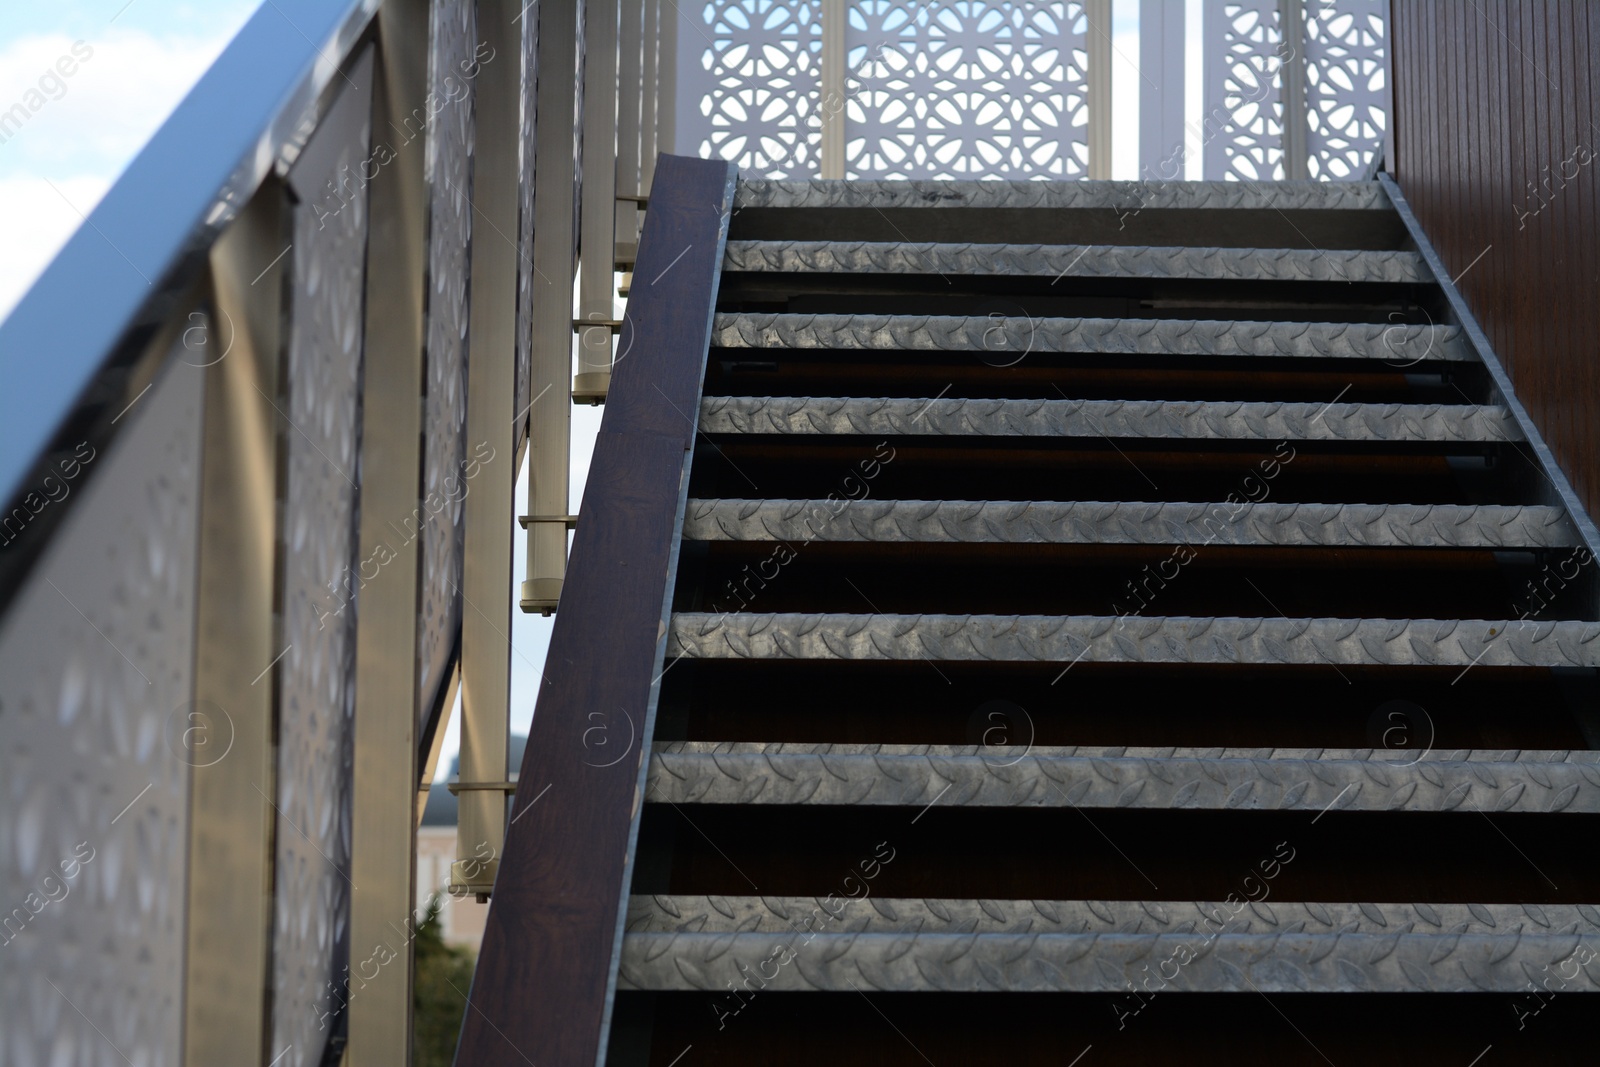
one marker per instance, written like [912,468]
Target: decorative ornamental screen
[966,89]
[1344,49]
[749,85]
[1000,88]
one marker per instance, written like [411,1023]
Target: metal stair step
[1108,523]
[852,941]
[1077,261]
[1085,195]
[685,772]
[1021,335]
[1069,639]
[1190,420]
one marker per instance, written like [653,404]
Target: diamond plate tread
[843,914]
[1076,261]
[1232,946]
[1135,639]
[862,943]
[1190,420]
[1124,523]
[968,776]
[1105,195]
[1017,336]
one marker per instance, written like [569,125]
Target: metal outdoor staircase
[1163,637]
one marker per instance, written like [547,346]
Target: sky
[144,55]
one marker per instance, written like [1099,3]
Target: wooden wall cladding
[1494,113]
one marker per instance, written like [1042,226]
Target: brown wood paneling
[540,994]
[1492,101]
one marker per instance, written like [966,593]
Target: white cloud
[112,104]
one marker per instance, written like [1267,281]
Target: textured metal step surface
[852,941]
[1191,420]
[1069,639]
[1103,195]
[1131,523]
[1077,261]
[1015,337]
[690,772]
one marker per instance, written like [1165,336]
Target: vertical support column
[1291,20]
[650,101]
[630,103]
[830,102]
[384,784]
[596,264]
[550,421]
[667,80]
[491,403]
[1098,45]
[1161,26]
[230,842]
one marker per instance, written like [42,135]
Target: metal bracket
[636,198]
[615,325]
[570,521]
[504,787]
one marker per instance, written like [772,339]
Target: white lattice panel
[749,84]
[96,663]
[964,89]
[1243,107]
[1346,90]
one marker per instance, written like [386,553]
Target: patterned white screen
[95,678]
[1346,86]
[965,89]
[1243,120]
[1344,49]
[749,84]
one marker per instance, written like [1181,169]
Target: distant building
[461,918]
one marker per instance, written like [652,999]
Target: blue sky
[142,61]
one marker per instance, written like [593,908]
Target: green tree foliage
[443,980]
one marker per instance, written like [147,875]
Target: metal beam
[384,773]
[491,374]
[230,844]
[1098,77]
[550,421]
[597,285]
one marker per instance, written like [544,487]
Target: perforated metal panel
[439,514]
[749,85]
[1243,120]
[963,89]
[525,175]
[95,681]
[322,579]
[1347,63]
[1344,50]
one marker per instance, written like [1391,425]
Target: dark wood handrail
[543,986]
